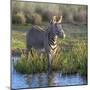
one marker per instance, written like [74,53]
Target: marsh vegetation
[71,57]
[73,50]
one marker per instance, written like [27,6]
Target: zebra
[45,39]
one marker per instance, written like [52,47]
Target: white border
[84,2]
[5,44]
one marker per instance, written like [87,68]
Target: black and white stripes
[45,39]
[52,41]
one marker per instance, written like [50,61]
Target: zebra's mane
[39,28]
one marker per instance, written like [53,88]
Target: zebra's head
[56,27]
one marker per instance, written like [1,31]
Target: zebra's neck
[52,41]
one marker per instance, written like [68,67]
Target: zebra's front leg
[49,62]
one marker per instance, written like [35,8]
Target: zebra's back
[36,37]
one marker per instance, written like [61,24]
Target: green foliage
[80,16]
[71,58]
[18,40]
[36,19]
[19,18]
[41,11]
[20,27]
[74,58]
[33,64]
[67,60]
[17,44]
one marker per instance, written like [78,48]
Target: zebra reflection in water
[45,39]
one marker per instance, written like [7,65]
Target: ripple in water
[44,80]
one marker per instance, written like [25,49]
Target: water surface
[43,79]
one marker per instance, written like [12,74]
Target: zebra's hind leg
[49,63]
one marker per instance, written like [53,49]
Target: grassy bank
[71,58]
[68,60]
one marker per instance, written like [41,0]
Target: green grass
[18,39]
[33,64]
[18,44]
[72,57]
[67,60]
[75,31]
[20,27]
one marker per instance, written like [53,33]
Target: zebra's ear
[60,20]
[54,19]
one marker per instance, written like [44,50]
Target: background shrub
[68,17]
[19,18]
[80,16]
[44,12]
[36,19]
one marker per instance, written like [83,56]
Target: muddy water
[43,79]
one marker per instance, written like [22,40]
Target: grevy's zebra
[45,40]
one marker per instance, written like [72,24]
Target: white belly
[42,50]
